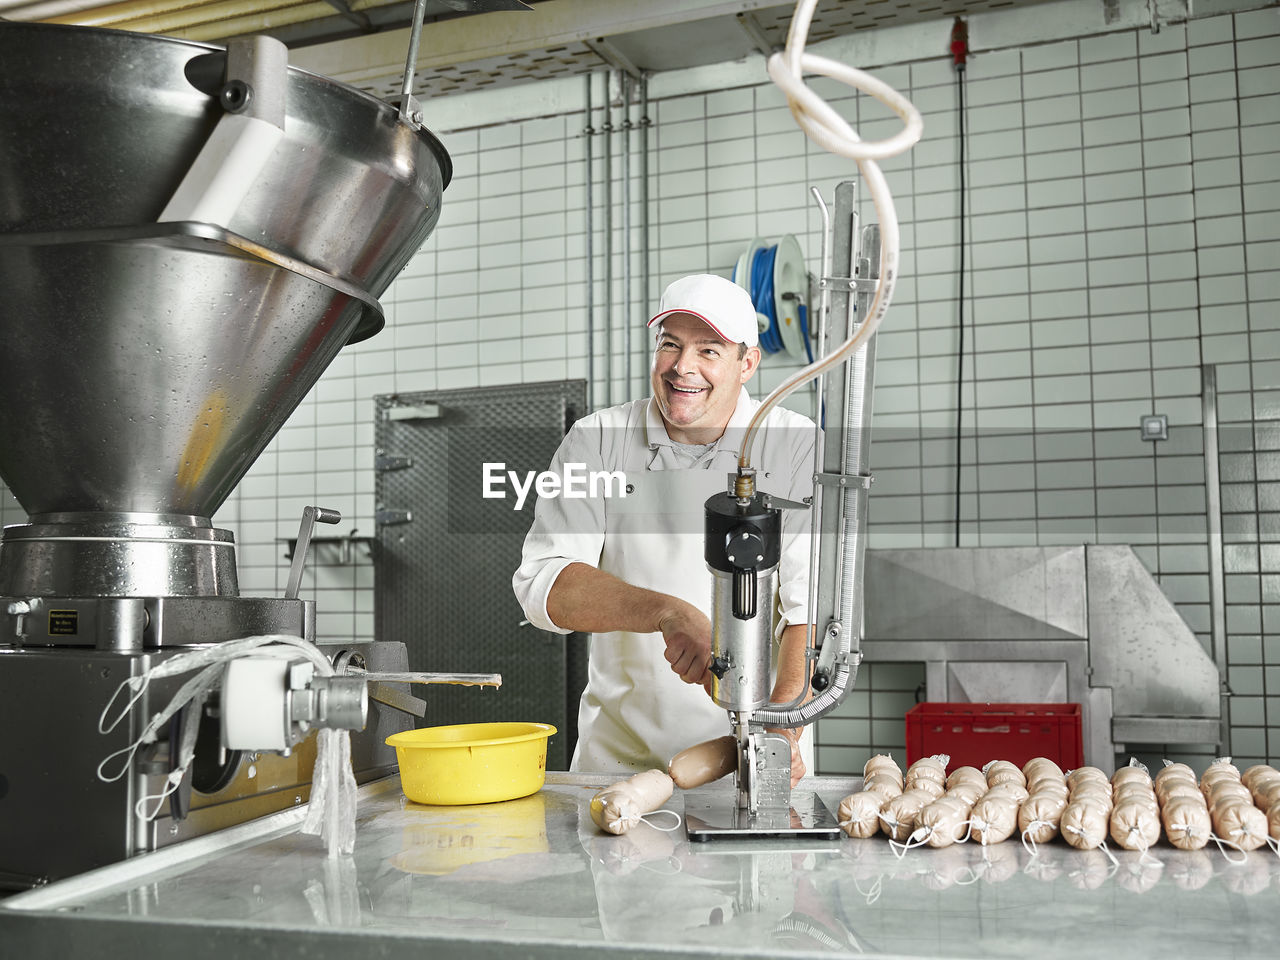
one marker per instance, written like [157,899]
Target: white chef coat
[636,713]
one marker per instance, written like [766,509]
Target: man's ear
[750,360]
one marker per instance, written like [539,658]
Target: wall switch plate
[1155,426]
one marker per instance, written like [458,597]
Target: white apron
[636,713]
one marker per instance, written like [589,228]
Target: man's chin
[680,418]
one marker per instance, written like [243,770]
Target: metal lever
[381,689]
[397,699]
[310,516]
[771,501]
[20,610]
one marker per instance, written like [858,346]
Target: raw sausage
[1186,821]
[859,814]
[618,808]
[704,762]
[1135,823]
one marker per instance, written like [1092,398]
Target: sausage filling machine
[186,242]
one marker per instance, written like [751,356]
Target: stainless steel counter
[534,878]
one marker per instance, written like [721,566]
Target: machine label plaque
[64,623]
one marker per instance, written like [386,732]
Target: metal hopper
[147,364]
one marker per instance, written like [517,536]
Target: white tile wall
[1122,191]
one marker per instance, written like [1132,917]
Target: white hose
[828,129]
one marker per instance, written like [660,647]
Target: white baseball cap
[719,303]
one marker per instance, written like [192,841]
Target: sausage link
[704,762]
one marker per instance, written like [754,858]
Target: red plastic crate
[976,733]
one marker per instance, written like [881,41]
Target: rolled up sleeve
[565,530]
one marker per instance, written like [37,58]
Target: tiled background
[1123,232]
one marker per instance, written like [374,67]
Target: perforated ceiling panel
[836,18]
[561,61]
[692,33]
[683,45]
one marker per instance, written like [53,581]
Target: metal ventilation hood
[1084,624]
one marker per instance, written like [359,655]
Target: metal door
[446,552]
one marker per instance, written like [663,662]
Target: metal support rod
[813,633]
[844,317]
[139,828]
[861,372]
[588,229]
[625,83]
[608,239]
[1217,577]
[411,61]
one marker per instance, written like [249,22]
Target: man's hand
[687,634]
[792,686]
[587,599]
[797,762]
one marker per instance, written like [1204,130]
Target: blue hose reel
[778,284]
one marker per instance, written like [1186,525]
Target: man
[630,570]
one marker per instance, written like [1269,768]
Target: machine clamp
[864,480]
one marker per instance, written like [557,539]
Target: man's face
[696,378]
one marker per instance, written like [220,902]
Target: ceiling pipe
[215,30]
[646,307]
[28,12]
[588,228]
[104,15]
[607,129]
[624,82]
[147,16]
[197,19]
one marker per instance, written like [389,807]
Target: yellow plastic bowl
[472,762]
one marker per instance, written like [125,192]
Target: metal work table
[533,878]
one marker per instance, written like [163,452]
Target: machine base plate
[719,817]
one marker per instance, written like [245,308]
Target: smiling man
[630,570]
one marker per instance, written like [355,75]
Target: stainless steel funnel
[146,365]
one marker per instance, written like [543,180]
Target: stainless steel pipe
[588,231]
[607,130]
[624,81]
